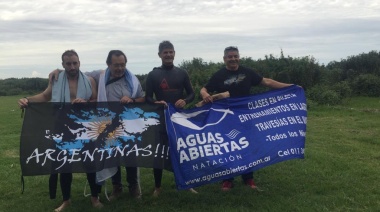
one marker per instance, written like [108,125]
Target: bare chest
[73,86]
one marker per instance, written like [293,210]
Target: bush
[330,97]
[367,85]
[323,95]
[343,89]
[14,91]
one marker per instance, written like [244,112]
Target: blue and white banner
[234,136]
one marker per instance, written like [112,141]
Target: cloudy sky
[34,33]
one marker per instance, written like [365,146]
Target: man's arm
[127,99]
[140,99]
[53,76]
[270,83]
[205,95]
[213,97]
[180,103]
[149,89]
[45,96]
[140,94]
[189,90]
[94,74]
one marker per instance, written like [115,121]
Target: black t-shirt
[168,85]
[238,83]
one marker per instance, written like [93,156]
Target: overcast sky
[35,33]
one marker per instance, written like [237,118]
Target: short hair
[69,53]
[165,45]
[117,53]
[230,49]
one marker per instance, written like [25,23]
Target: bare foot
[193,191]
[65,204]
[96,202]
[156,192]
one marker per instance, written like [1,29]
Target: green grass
[340,172]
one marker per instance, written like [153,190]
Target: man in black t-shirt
[237,80]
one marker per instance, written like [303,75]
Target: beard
[72,72]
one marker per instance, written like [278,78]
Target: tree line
[357,75]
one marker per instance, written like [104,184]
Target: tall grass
[340,172]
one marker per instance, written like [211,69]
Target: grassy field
[340,172]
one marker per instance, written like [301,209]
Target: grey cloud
[38,31]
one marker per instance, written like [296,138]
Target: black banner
[61,137]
